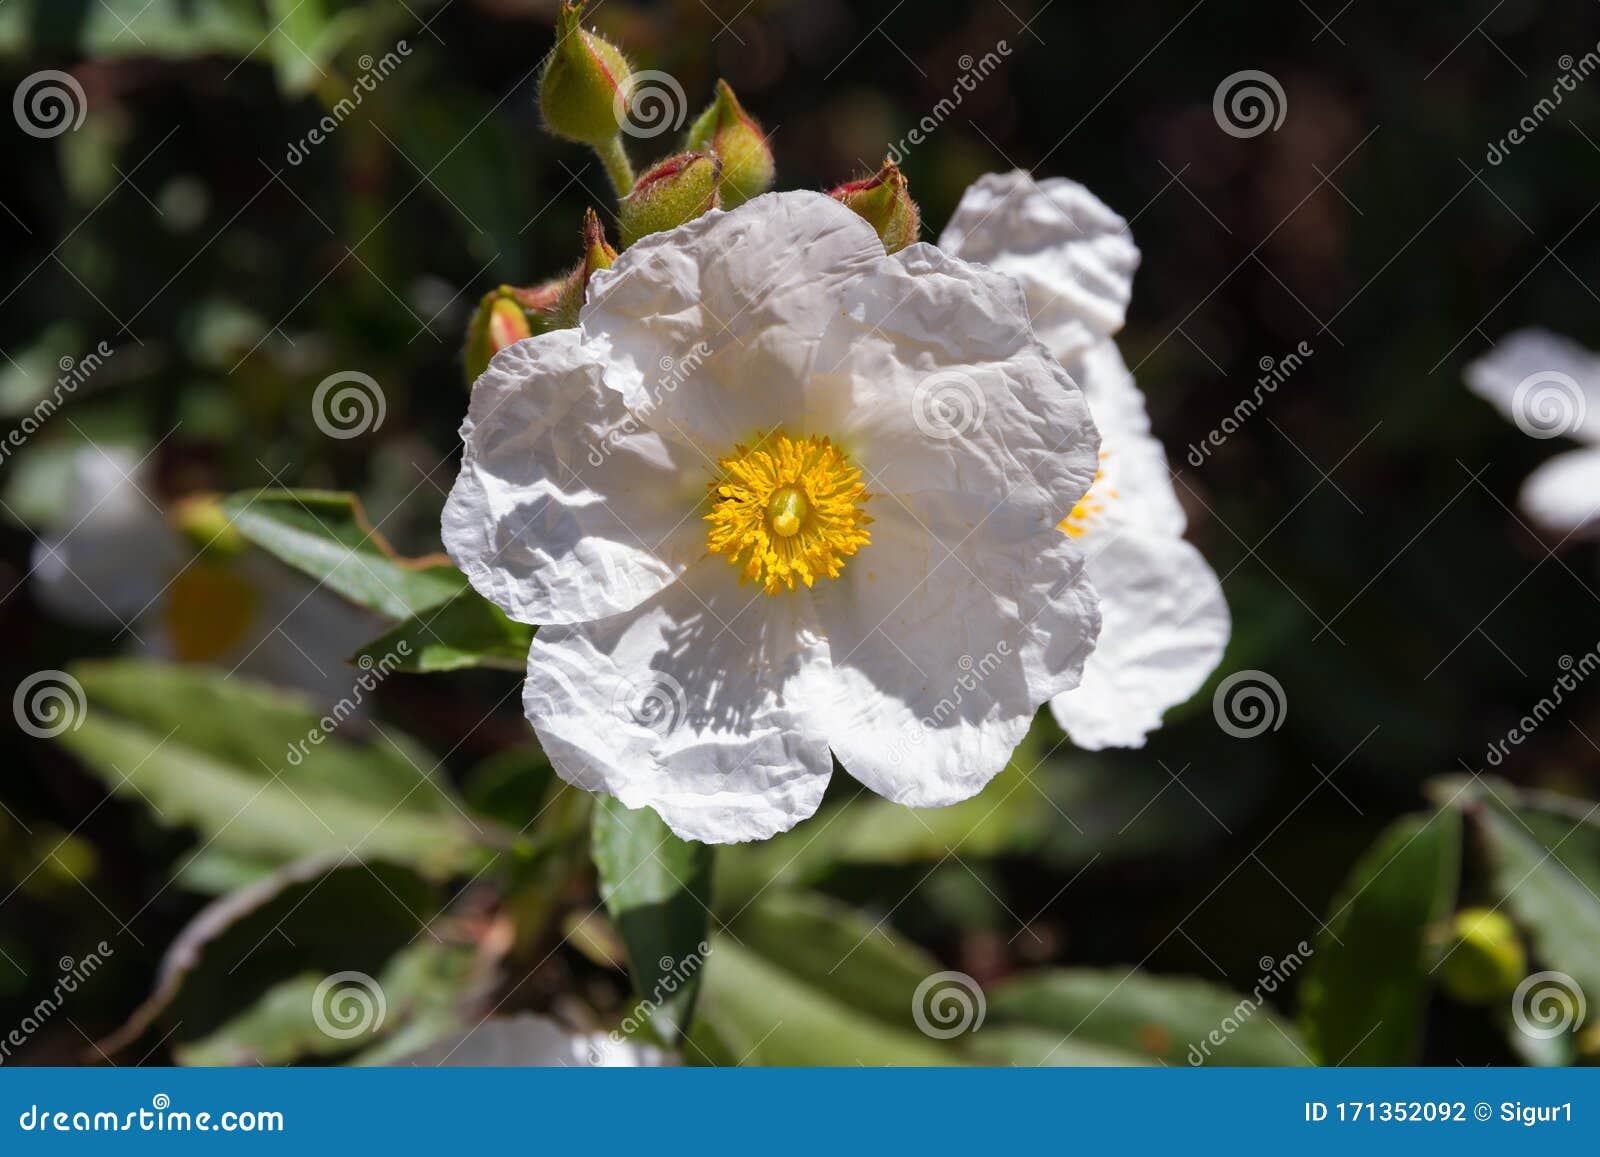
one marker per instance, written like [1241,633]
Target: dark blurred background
[1363,521]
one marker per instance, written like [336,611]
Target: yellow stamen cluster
[787,508]
[1088,510]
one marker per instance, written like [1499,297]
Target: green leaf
[161,28]
[423,994]
[304,40]
[217,871]
[833,948]
[801,979]
[512,786]
[260,773]
[298,920]
[1066,809]
[657,889]
[1110,1016]
[325,534]
[760,1013]
[1367,989]
[465,631]
[1543,853]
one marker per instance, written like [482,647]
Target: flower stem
[615,158]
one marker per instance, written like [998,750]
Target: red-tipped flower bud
[597,254]
[884,201]
[733,135]
[679,189]
[583,75]
[505,316]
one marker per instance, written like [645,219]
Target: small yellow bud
[1484,959]
[201,520]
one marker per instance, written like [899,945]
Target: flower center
[1088,509]
[786,509]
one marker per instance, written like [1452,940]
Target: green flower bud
[597,254]
[1484,959]
[733,135]
[679,189]
[201,520]
[884,201]
[583,77]
[505,316]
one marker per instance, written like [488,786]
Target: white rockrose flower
[1549,386]
[1166,621]
[780,493]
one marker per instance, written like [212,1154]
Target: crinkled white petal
[566,508]
[1562,496]
[1547,384]
[108,559]
[713,326]
[1166,625]
[1073,256]
[691,704]
[944,642]
[1136,486]
[930,378]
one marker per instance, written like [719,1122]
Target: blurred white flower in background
[527,1040]
[1549,386]
[113,561]
[880,449]
[1166,621]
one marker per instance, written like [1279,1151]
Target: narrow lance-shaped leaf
[1543,854]
[326,535]
[1367,990]
[465,631]
[657,888]
[1089,1016]
[801,979]
[258,772]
